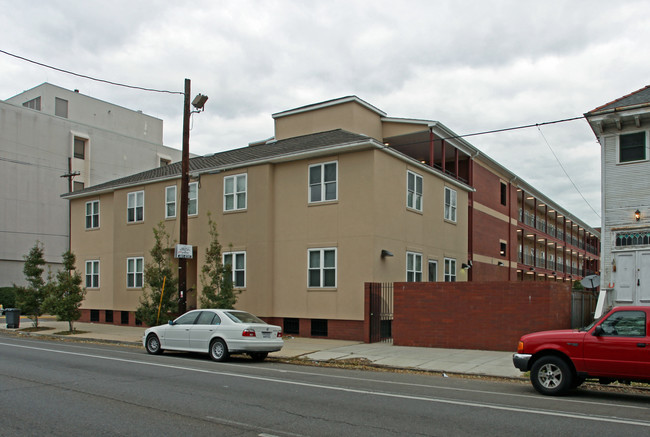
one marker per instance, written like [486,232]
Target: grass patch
[35,329]
[74,332]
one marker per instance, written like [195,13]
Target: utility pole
[70,175]
[198,103]
[185,185]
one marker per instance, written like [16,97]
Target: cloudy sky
[472,65]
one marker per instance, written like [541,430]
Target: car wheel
[219,350]
[551,376]
[153,345]
[259,356]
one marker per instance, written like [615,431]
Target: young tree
[159,271]
[217,291]
[30,299]
[66,294]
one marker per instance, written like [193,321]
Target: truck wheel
[551,376]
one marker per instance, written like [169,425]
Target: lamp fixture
[499,263]
[385,253]
[199,102]
[637,215]
[466,266]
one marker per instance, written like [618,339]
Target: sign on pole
[183,251]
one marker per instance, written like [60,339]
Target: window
[208,318]
[135,207]
[60,107]
[433,270]
[234,192]
[322,182]
[413,267]
[625,324]
[92,214]
[164,162]
[414,191]
[504,193]
[33,104]
[322,268]
[193,199]
[134,272]
[237,263]
[79,148]
[77,186]
[92,274]
[170,202]
[450,204]
[503,249]
[632,147]
[450,270]
[318,327]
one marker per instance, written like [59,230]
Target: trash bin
[13,317]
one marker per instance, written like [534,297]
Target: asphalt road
[67,389]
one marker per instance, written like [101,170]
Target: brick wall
[473,315]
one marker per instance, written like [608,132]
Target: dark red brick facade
[472,315]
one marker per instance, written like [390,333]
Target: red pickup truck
[615,347]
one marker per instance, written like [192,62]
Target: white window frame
[93,214]
[135,202]
[451,205]
[170,203]
[413,196]
[228,258]
[451,270]
[413,267]
[92,273]
[632,161]
[321,185]
[193,198]
[321,269]
[135,272]
[238,196]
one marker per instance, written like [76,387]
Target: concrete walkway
[452,361]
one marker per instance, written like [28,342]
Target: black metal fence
[381,312]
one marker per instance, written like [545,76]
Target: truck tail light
[520,347]
[248,333]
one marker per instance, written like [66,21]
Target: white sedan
[217,332]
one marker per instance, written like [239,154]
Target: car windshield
[243,317]
[591,325]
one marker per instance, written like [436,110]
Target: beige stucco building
[305,219]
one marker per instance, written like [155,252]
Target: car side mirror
[598,331]
[171,322]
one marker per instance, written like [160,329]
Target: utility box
[12,315]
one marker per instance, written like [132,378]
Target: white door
[632,278]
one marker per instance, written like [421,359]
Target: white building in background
[623,130]
[48,132]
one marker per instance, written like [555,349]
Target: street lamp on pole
[198,103]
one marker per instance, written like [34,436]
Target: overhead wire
[567,173]
[90,77]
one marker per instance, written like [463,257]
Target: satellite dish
[591,281]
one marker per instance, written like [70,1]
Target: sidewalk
[488,363]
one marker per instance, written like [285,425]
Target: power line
[90,77]
[566,173]
[564,120]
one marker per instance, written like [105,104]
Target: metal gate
[381,312]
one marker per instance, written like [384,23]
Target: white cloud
[472,65]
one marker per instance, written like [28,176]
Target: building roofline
[599,110]
[326,104]
[72,92]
